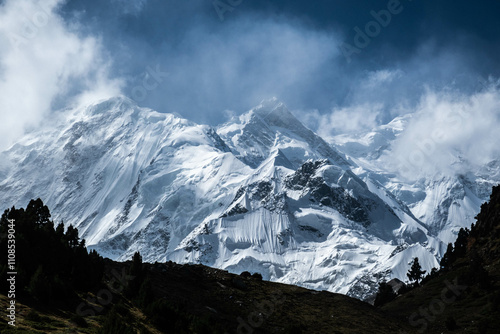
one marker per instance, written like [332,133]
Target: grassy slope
[214,293]
[32,317]
[221,298]
[228,302]
[476,309]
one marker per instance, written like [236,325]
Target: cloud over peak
[43,60]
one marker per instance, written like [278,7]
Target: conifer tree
[137,275]
[415,273]
[461,242]
[385,294]
[136,267]
[448,257]
[50,263]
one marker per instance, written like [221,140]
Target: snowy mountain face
[443,202]
[259,193]
[271,127]
[125,176]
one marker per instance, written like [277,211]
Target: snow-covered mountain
[444,202]
[259,193]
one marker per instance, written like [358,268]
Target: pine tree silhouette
[415,273]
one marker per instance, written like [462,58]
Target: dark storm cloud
[206,59]
[231,54]
[212,65]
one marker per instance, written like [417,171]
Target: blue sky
[207,60]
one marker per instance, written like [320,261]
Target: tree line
[51,262]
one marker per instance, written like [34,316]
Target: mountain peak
[119,102]
[270,126]
[270,105]
[275,113]
[132,179]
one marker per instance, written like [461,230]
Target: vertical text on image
[11,271]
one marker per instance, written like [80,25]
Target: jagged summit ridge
[275,113]
[271,126]
[259,193]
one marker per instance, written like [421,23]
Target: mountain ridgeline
[73,289]
[463,296]
[61,287]
[260,193]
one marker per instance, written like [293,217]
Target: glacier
[260,193]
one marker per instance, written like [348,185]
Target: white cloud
[43,60]
[380,77]
[451,129]
[238,64]
[347,120]
[448,129]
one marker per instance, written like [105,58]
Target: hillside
[199,299]
[60,288]
[206,300]
[465,294]
[95,295]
